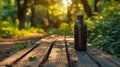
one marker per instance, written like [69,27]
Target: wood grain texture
[13,58]
[100,59]
[38,52]
[93,57]
[58,57]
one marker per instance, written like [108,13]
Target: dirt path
[6,44]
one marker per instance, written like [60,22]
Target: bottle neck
[80,17]
[80,21]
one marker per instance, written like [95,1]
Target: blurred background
[25,17]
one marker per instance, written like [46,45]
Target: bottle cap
[80,17]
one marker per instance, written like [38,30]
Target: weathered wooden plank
[87,60]
[58,57]
[2,66]
[76,57]
[103,59]
[79,58]
[100,59]
[42,56]
[39,53]
[113,60]
[17,56]
[80,62]
[68,54]
[25,59]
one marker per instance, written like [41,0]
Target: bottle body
[80,35]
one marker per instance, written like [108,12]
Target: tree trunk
[32,15]
[87,8]
[22,13]
[69,15]
[95,5]
[49,20]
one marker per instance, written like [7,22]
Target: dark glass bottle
[80,34]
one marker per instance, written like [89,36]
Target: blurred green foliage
[18,47]
[33,58]
[65,29]
[9,30]
[105,29]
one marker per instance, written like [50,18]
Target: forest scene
[24,21]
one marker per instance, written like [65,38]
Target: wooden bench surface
[55,51]
[57,58]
